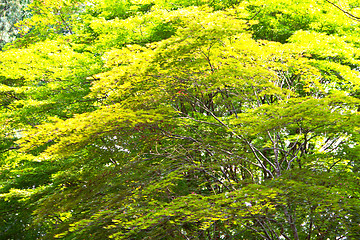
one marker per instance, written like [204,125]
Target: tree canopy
[181,119]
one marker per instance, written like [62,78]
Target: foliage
[181,120]
[11,12]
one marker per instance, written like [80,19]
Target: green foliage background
[174,119]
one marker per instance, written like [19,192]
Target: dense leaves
[181,120]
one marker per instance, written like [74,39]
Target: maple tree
[181,120]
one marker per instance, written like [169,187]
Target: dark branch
[344,11]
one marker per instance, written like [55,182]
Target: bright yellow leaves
[47,61]
[209,54]
[72,134]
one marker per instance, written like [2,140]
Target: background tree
[11,12]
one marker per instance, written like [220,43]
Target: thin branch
[66,24]
[344,11]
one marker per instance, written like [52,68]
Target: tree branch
[344,11]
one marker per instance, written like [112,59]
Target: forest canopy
[180,119]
